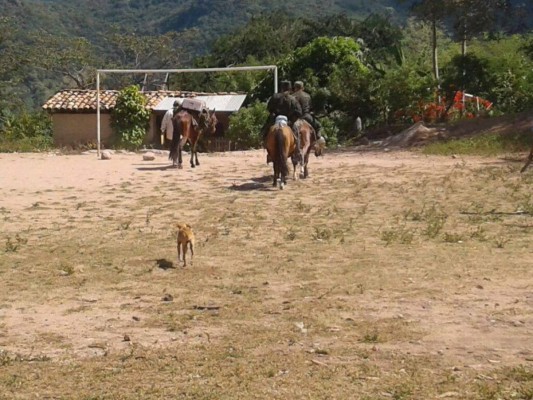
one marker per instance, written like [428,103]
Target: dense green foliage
[245,126]
[130,117]
[25,131]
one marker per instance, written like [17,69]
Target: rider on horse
[305,103]
[282,103]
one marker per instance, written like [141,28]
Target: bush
[130,117]
[245,126]
[25,132]
[330,130]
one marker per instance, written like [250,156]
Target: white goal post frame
[169,71]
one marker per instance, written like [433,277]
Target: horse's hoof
[192,165]
[180,166]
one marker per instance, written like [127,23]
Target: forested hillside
[83,35]
[91,19]
[388,60]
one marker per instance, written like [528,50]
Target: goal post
[169,71]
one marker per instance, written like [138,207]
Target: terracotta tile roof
[75,100]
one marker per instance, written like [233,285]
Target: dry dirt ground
[389,275]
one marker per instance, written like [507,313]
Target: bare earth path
[383,275]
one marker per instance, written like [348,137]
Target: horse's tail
[281,152]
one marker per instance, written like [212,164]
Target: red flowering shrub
[443,111]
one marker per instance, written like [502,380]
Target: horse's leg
[180,155]
[294,160]
[193,150]
[175,157]
[184,253]
[196,151]
[174,148]
[180,160]
[276,172]
[306,162]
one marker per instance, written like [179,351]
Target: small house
[74,121]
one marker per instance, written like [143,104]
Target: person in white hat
[167,128]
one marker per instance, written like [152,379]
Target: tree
[71,57]
[264,38]
[382,38]
[131,51]
[332,66]
[318,60]
[149,52]
[472,17]
[12,63]
[434,12]
[130,117]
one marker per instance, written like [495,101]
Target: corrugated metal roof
[222,102]
[74,100]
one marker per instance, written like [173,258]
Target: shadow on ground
[156,168]
[164,264]
[259,184]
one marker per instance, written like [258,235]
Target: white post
[98,114]
[275,79]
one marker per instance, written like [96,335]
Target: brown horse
[280,145]
[306,142]
[185,131]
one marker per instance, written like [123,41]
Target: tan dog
[185,236]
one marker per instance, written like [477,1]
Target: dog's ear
[188,226]
[179,226]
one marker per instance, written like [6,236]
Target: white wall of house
[71,129]
[74,129]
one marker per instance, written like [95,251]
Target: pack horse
[189,125]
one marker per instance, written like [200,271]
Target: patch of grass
[291,234]
[26,145]
[482,145]
[12,246]
[479,234]
[321,233]
[400,234]
[453,237]
[370,337]
[302,207]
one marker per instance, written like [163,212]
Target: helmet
[285,86]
